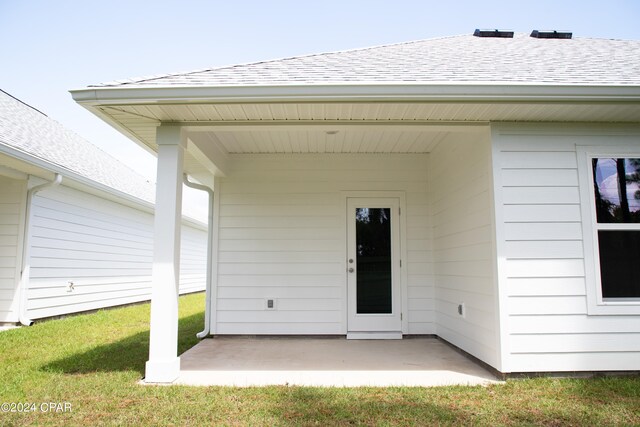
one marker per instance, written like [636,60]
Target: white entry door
[373,268]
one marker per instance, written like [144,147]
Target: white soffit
[341,140]
[295,121]
[410,111]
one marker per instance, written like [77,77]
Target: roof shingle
[32,132]
[456,59]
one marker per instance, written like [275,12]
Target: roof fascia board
[358,93]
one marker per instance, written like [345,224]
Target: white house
[441,187]
[76,225]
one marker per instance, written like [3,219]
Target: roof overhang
[236,116]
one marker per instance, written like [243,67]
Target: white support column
[164,364]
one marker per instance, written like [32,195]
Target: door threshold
[374,335]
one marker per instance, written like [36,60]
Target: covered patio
[458,181]
[328,362]
[282,234]
[287,171]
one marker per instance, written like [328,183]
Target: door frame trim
[404,300]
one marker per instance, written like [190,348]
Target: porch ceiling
[252,131]
[322,139]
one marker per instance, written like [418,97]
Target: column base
[162,371]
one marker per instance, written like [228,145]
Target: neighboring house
[82,243]
[441,187]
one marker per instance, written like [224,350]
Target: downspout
[207,298]
[25,266]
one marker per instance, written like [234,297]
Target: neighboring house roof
[458,59]
[29,131]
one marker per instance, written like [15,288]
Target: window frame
[596,304]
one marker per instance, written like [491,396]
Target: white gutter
[207,308]
[25,267]
[358,92]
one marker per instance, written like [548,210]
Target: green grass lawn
[94,363]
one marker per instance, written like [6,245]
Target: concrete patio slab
[239,361]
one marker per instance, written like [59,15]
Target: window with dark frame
[616,184]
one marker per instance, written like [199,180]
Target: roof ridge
[141,79]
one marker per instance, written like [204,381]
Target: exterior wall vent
[507,34]
[551,34]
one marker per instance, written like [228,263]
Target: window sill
[615,308]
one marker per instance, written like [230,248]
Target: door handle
[351,270]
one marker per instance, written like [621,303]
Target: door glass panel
[373,260]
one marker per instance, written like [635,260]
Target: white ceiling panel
[315,141]
[296,122]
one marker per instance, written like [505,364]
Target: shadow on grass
[538,404]
[127,354]
[360,406]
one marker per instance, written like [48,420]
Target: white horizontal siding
[568,361]
[544,269]
[576,343]
[281,235]
[460,183]
[544,286]
[87,252]
[193,259]
[12,200]
[560,324]
[288,327]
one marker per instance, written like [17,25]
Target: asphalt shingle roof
[32,132]
[456,59]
